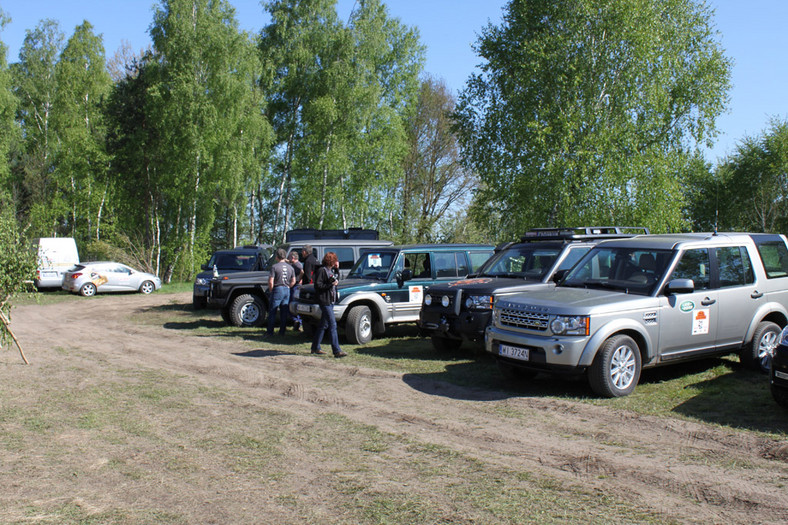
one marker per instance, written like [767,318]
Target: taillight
[76,275]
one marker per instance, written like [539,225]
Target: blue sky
[753,34]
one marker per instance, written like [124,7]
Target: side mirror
[677,286]
[559,276]
[205,267]
[402,276]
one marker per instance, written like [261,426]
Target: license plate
[515,352]
[303,308]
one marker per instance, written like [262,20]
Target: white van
[55,256]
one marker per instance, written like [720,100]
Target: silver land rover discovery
[650,300]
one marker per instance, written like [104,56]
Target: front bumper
[544,352]
[779,374]
[468,325]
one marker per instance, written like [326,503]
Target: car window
[419,264]
[775,259]
[373,264]
[446,264]
[694,264]
[735,266]
[344,254]
[477,260]
[574,255]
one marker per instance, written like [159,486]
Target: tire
[247,310]
[358,328]
[88,290]
[758,354]
[616,368]
[147,287]
[199,302]
[515,373]
[445,344]
[780,395]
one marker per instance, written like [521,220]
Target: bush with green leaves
[17,266]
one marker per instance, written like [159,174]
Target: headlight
[784,337]
[201,281]
[428,299]
[570,325]
[445,301]
[479,302]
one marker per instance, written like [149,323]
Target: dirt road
[679,470]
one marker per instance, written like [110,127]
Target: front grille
[527,320]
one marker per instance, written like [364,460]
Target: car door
[121,277]
[739,297]
[406,300]
[688,322]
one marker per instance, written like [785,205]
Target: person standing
[298,271]
[310,264]
[280,280]
[326,279]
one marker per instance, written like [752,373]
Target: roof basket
[583,232]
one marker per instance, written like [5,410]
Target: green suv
[386,286]
[650,300]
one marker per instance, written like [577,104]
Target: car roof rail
[583,233]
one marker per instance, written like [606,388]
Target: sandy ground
[685,471]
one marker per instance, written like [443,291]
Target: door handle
[756,294]
[707,301]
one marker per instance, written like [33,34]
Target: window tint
[446,264]
[694,264]
[735,266]
[344,254]
[775,259]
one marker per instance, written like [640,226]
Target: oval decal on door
[687,306]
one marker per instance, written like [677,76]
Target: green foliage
[586,111]
[748,191]
[17,265]
[339,96]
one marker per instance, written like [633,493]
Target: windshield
[525,261]
[630,270]
[373,265]
[233,261]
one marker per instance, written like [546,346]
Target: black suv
[461,310]
[240,259]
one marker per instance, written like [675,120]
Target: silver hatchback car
[90,278]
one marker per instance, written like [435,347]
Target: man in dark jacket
[310,264]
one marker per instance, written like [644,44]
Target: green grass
[718,390]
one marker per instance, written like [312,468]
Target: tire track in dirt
[686,470]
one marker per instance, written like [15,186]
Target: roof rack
[302,234]
[583,232]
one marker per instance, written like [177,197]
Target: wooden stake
[7,322]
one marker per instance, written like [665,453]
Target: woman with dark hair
[326,288]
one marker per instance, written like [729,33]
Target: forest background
[583,112]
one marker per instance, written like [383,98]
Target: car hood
[577,301]
[485,285]
[255,275]
[208,274]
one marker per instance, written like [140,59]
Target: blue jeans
[295,317]
[279,300]
[327,322]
